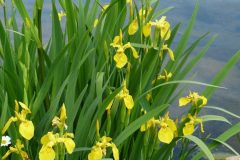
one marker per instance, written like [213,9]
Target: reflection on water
[217,17]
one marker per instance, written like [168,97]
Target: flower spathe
[26,127]
[120,57]
[193,98]
[6,140]
[99,150]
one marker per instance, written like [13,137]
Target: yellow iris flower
[100,149]
[26,127]
[18,150]
[50,140]
[164,76]
[193,98]
[163,26]
[127,98]
[188,129]
[120,57]
[167,130]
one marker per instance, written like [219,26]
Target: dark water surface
[221,17]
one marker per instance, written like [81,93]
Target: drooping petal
[95,154]
[69,144]
[46,153]
[115,151]
[184,101]
[121,59]
[26,129]
[134,52]
[128,101]
[188,129]
[147,30]
[165,135]
[133,27]
[171,55]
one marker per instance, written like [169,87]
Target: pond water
[217,17]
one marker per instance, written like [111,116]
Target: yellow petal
[63,114]
[26,129]
[120,59]
[184,101]
[115,151]
[69,144]
[24,107]
[171,55]
[172,125]
[95,154]
[47,138]
[165,135]
[188,129]
[46,153]
[165,30]
[134,52]
[128,101]
[147,30]
[133,27]
[204,101]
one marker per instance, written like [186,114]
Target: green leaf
[202,146]
[135,125]
[223,137]
[208,92]
[206,118]
[222,110]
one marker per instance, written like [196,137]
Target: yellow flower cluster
[99,150]
[168,128]
[199,101]
[51,139]
[26,127]
[164,76]
[120,57]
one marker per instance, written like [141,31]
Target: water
[217,17]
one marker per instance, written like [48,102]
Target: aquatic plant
[114,69]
